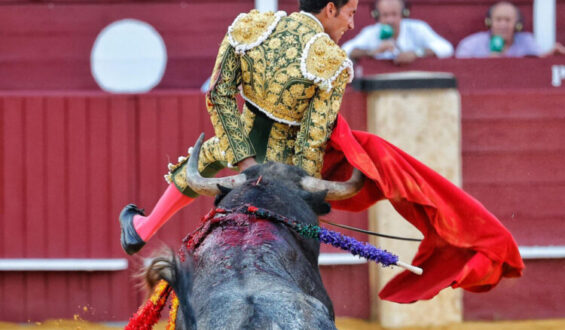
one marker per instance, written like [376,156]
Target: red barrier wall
[513,156]
[71,161]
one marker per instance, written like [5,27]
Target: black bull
[249,273]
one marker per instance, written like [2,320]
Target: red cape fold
[464,244]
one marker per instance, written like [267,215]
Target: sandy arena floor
[342,324]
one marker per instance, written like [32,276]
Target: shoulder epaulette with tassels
[323,60]
[250,30]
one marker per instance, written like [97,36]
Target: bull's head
[214,186]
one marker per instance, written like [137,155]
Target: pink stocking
[170,202]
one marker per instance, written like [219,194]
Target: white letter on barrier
[557,74]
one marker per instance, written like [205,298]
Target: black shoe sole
[131,242]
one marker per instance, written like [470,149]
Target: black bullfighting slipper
[131,242]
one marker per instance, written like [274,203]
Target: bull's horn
[207,186]
[336,190]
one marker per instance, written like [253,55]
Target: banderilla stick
[413,269]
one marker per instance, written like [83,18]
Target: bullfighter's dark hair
[315,6]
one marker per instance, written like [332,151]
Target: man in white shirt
[409,39]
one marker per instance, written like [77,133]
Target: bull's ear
[317,201]
[223,192]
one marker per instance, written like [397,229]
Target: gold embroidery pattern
[316,127]
[323,61]
[210,153]
[222,106]
[250,30]
[278,147]
[304,23]
[247,118]
[271,77]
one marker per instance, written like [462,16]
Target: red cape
[464,244]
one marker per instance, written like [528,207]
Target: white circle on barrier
[128,56]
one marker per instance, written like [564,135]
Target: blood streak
[243,230]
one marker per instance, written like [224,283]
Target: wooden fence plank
[98,188]
[35,183]
[79,238]
[15,307]
[56,217]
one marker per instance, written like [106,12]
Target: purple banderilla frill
[327,236]
[352,245]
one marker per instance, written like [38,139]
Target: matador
[292,75]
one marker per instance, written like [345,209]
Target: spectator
[397,37]
[504,37]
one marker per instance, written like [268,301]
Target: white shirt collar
[314,18]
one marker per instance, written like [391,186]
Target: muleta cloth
[464,246]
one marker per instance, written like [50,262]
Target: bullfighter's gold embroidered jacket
[292,77]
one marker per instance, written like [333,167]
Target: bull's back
[252,275]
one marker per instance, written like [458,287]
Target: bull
[250,273]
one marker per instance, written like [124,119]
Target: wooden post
[419,113]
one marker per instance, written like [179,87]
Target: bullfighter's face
[340,20]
